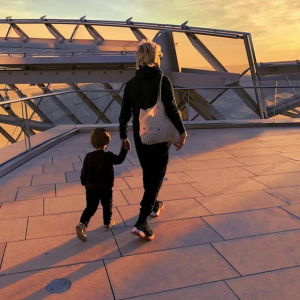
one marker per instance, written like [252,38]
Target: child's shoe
[143,231]
[81,232]
[110,225]
[156,211]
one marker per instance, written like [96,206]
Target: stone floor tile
[169,192]
[84,278]
[70,159]
[216,174]
[290,195]
[19,209]
[2,248]
[271,169]
[293,209]
[174,210]
[57,251]
[189,232]
[72,188]
[48,178]
[73,176]
[262,159]
[9,194]
[15,181]
[36,192]
[242,224]
[211,291]
[13,230]
[59,224]
[280,180]
[193,265]
[57,168]
[121,172]
[77,166]
[243,145]
[252,152]
[239,202]
[39,162]
[120,184]
[64,204]
[206,155]
[280,143]
[228,186]
[276,285]
[171,178]
[287,148]
[26,171]
[264,253]
[292,155]
[212,164]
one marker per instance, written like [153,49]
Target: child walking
[97,175]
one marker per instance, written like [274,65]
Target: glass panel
[82,34]
[36,31]
[115,33]
[65,30]
[3,30]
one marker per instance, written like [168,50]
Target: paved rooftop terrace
[230,229]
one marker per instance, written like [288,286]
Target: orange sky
[274,25]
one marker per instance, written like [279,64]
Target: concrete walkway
[230,229]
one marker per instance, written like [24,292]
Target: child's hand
[125,144]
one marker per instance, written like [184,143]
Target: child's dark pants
[93,197]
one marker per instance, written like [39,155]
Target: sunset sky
[274,25]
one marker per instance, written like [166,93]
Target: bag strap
[159,91]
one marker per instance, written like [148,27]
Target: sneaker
[143,231]
[110,225]
[156,211]
[81,232]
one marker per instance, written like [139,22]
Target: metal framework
[28,58]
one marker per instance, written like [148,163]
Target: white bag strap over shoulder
[159,91]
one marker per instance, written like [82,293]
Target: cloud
[274,25]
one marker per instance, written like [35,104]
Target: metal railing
[29,127]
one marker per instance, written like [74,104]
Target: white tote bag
[155,126]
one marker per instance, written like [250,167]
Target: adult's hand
[182,141]
[126,144]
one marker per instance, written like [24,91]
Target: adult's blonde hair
[148,53]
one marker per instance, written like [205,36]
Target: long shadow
[73,248]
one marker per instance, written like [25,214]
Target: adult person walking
[141,92]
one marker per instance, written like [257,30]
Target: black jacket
[141,92]
[97,171]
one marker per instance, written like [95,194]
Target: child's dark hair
[100,138]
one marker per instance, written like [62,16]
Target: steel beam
[31,104]
[201,106]
[89,103]
[59,76]
[204,51]
[19,32]
[58,102]
[115,95]
[94,33]
[58,36]
[20,122]
[284,106]
[7,135]
[138,34]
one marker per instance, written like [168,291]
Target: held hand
[182,141]
[126,144]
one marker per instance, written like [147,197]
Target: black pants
[154,160]
[93,197]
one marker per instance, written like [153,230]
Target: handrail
[121,90]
